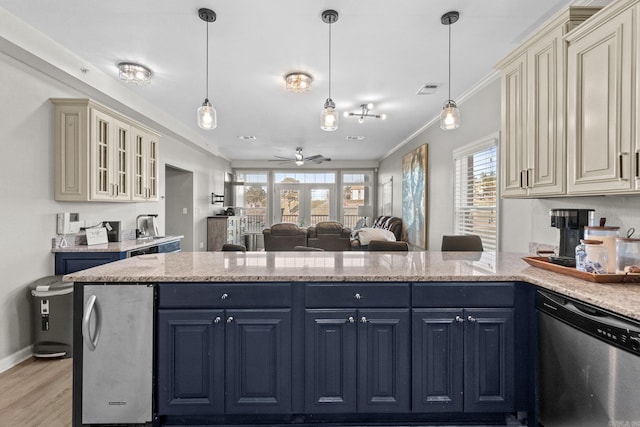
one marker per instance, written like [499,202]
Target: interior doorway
[178,205]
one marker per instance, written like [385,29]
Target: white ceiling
[382,52]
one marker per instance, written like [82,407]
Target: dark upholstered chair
[462,243]
[330,236]
[308,249]
[390,223]
[386,246]
[284,237]
[229,247]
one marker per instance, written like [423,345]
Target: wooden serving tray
[543,262]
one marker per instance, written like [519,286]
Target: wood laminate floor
[36,393]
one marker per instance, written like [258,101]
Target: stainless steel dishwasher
[589,365]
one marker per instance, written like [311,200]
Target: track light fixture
[329,115]
[365,112]
[206,113]
[450,115]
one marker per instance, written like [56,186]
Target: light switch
[184,211]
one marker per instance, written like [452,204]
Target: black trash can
[52,317]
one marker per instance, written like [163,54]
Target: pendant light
[329,115]
[206,113]
[450,115]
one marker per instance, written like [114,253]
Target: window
[475,203]
[356,191]
[253,197]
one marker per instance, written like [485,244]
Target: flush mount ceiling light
[365,112]
[329,115]
[206,113]
[450,115]
[298,82]
[134,73]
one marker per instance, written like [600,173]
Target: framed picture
[414,196]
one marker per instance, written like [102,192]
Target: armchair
[330,236]
[284,237]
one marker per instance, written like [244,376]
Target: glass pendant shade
[329,116]
[207,118]
[449,116]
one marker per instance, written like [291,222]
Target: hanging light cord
[449,61]
[330,23]
[207,66]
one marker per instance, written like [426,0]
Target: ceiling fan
[299,159]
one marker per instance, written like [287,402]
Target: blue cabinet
[70,262]
[357,348]
[224,348]
[464,358]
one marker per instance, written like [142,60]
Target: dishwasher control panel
[615,330]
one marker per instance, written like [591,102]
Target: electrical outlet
[201,245]
[184,211]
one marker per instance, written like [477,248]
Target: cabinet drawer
[221,295]
[474,294]
[340,295]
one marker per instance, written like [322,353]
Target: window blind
[475,192]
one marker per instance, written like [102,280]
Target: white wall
[28,213]
[520,221]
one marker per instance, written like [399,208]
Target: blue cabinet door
[437,360]
[383,360]
[258,361]
[70,262]
[489,360]
[190,362]
[330,364]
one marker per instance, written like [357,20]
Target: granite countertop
[357,266]
[123,246]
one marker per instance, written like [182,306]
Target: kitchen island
[336,337]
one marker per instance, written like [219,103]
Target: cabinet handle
[637,164]
[459,319]
[521,180]
[224,296]
[230,319]
[357,296]
[111,191]
[471,319]
[529,178]
[363,319]
[351,319]
[620,165]
[217,320]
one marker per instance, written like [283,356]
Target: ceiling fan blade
[321,160]
[281,159]
[312,158]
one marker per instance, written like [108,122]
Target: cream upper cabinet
[144,165]
[94,154]
[109,150]
[532,157]
[601,114]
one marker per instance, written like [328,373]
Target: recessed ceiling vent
[355,138]
[427,89]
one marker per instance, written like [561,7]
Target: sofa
[393,225]
[284,237]
[330,236]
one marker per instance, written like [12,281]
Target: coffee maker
[571,223]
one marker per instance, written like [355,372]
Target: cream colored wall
[28,213]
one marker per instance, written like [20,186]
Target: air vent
[427,89]
[355,138]
[247,137]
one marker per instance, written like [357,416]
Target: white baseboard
[15,358]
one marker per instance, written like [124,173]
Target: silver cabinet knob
[224,296]
[363,319]
[229,319]
[459,319]
[471,319]
[357,296]
[351,319]
[217,320]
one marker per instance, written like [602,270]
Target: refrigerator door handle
[91,306]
